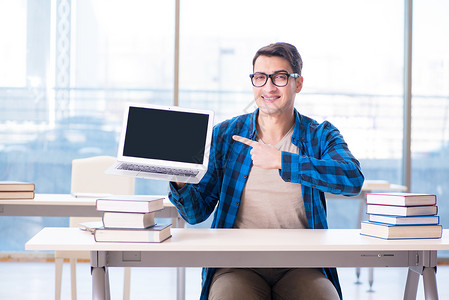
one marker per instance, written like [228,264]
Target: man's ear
[299,82]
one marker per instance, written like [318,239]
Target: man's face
[273,100]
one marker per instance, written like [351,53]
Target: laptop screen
[166,135]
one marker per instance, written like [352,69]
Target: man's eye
[280,76]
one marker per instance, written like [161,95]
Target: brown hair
[284,50]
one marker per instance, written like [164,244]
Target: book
[427,210]
[128,220]
[401,220]
[401,199]
[130,203]
[387,231]
[156,234]
[16,186]
[17,195]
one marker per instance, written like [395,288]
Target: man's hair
[283,50]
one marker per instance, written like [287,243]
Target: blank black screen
[166,135]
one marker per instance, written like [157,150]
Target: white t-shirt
[270,202]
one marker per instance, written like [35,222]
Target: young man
[270,169]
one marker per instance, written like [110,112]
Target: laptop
[164,143]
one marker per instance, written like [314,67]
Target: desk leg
[371,279]
[98,283]
[362,203]
[180,272]
[100,276]
[411,286]
[430,283]
[181,283]
[357,275]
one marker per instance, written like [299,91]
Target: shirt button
[238,203]
[245,176]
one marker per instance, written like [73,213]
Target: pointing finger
[243,140]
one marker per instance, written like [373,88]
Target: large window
[430,102]
[67,67]
[353,67]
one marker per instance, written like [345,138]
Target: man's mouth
[270,98]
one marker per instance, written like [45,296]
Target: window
[353,64]
[67,67]
[66,72]
[430,103]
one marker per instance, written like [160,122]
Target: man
[270,169]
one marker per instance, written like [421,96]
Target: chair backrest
[88,177]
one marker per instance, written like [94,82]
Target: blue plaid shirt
[324,164]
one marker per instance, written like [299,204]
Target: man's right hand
[179,185]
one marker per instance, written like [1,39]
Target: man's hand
[178,185]
[263,155]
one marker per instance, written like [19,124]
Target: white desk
[253,248]
[66,205]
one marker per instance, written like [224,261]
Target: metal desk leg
[181,283]
[107,286]
[411,286]
[371,280]
[98,283]
[430,283]
[362,202]
[180,272]
[100,276]
[357,275]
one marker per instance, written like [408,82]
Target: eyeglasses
[279,79]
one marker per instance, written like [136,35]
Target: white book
[128,220]
[402,220]
[16,186]
[155,234]
[402,210]
[387,231]
[401,199]
[131,203]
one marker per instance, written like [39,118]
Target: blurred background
[67,67]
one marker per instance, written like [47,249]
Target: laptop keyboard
[155,169]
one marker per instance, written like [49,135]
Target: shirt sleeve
[327,166]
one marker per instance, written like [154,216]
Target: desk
[66,205]
[253,248]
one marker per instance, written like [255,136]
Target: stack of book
[16,190]
[402,216]
[130,218]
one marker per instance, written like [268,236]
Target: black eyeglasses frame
[294,75]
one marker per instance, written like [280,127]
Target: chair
[88,177]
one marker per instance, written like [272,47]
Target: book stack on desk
[16,190]
[130,218]
[401,216]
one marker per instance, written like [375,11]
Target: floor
[37,280]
